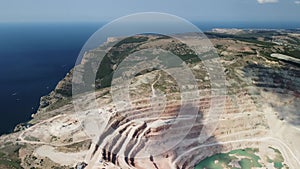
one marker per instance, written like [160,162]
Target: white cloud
[297,2]
[267,1]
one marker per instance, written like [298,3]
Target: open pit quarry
[164,126]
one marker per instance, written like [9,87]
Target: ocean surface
[36,56]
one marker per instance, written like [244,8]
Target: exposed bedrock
[142,138]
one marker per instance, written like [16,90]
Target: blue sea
[36,56]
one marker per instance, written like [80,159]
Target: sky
[192,10]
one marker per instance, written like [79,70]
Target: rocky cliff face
[62,91]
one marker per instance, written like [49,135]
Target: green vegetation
[132,39]
[64,92]
[59,104]
[292,52]
[246,37]
[130,45]
[54,138]
[31,138]
[9,156]
[115,56]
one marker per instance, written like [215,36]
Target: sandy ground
[287,137]
[60,157]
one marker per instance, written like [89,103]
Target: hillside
[250,120]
